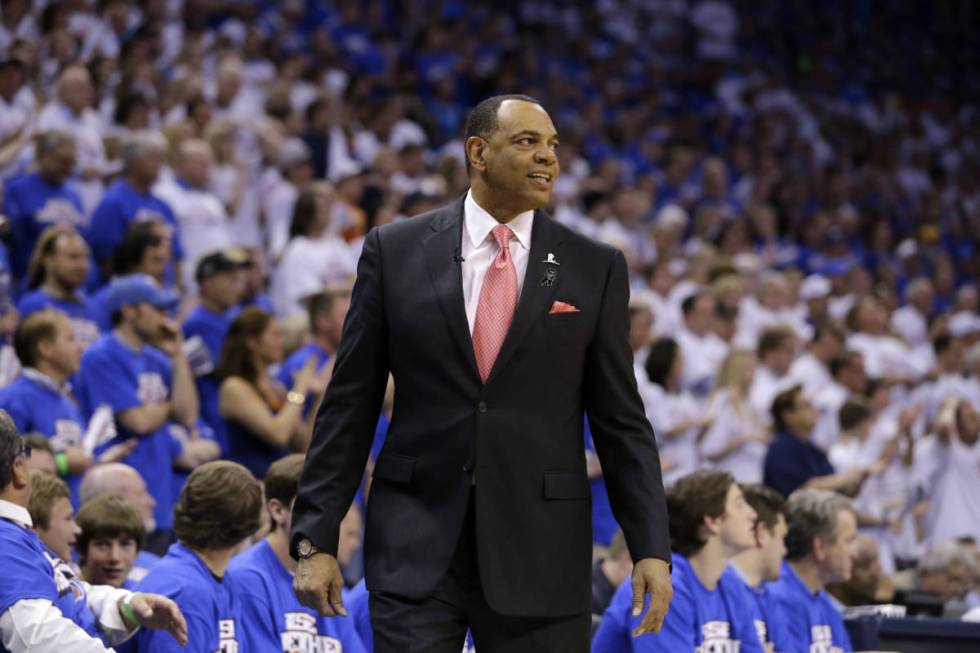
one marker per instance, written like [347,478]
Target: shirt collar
[479,223]
[47,381]
[15,513]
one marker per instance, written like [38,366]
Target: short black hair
[129,252]
[785,401]
[661,360]
[482,120]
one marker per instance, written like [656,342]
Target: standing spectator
[72,111]
[675,415]
[38,200]
[296,172]
[911,321]
[313,258]
[737,438]
[327,311]
[140,372]
[17,109]
[231,181]
[122,480]
[885,356]
[220,287]
[218,508]
[792,460]
[811,369]
[710,523]
[56,275]
[776,350]
[848,378]
[52,514]
[110,537]
[954,510]
[703,349]
[201,216]
[130,199]
[264,421]
[820,549]
[40,596]
[272,615]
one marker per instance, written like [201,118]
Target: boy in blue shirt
[821,545]
[753,569]
[38,200]
[274,620]
[56,276]
[218,508]
[140,372]
[40,598]
[710,522]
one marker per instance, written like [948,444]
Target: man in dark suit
[501,328]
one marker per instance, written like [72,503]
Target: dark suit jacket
[521,431]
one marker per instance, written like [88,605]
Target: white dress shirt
[37,625]
[479,249]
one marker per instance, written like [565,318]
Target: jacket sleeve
[623,437]
[348,414]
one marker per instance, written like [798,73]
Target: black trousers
[438,623]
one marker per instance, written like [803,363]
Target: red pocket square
[562,307]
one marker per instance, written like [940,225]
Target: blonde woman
[737,440]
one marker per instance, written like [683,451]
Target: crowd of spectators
[796,189]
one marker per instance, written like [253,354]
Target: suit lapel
[447,277]
[536,297]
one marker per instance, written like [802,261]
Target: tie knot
[502,234]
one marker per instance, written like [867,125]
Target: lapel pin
[551,259]
[549,277]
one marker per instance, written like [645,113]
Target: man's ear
[277,511]
[475,148]
[711,525]
[20,477]
[819,548]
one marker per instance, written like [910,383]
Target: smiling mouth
[541,177]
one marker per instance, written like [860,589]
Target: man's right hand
[317,584]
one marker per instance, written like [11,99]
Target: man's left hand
[651,576]
[159,613]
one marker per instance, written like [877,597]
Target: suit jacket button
[482,406]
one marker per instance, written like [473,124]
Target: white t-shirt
[306,267]
[202,219]
[883,355]
[828,402]
[765,386]
[702,358]
[665,410]
[278,206]
[809,372]
[955,507]
[911,325]
[731,421]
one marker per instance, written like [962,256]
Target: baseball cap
[138,289]
[218,262]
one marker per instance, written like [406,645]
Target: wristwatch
[297,398]
[305,548]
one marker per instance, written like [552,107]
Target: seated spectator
[755,568]
[793,461]
[868,584]
[775,351]
[121,480]
[710,523]
[39,200]
[57,274]
[220,287]
[141,373]
[52,514]
[218,509]
[675,415]
[609,572]
[263,421]
[327,311]
[129,200]
[203,221]
[703,349]
[954,509]
[273,618]
[948,570]
[313,258]
[848,378]
[737,438]
[145,249]
[41,601]
[820,549]
[110,537]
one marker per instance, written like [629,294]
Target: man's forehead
[515,116]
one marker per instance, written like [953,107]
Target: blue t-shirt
[145,561]
[812,623]
[211,328]
[31,571]
[84,317]
[32,205]
[791,462]
[760,603]
[356,602]
[292,365]
[211,608]
[699,619]
[273,618]
[121,206]
[36,405]
[115,375]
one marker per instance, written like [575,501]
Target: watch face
[304,548]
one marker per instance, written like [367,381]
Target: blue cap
[138,289]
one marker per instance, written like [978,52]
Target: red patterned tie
[498,299]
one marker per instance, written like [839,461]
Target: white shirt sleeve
[103,600]
[37,626]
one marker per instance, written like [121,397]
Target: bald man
[124,481]
[203,220]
